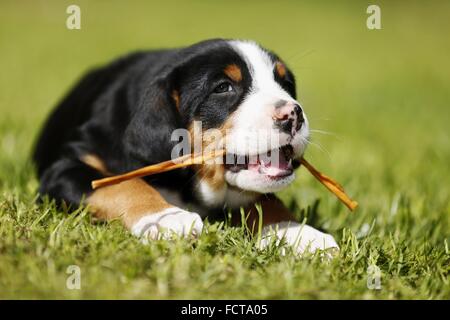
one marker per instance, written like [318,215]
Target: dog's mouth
[274,164]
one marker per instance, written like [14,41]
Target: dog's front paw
[301,237]
[168,222]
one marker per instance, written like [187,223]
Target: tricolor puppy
[122,117]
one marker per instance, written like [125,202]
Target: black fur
[124,114]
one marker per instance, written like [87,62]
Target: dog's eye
[223,87]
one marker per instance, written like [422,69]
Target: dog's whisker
[314,119]
[322,132]
[321,148]
[308,140]
[296,58]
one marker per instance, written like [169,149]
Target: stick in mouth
[198,158]
[331,185]
[181,162]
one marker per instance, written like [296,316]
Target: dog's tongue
[274,166]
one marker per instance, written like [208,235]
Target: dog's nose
[288,117]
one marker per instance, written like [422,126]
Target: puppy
[123,116]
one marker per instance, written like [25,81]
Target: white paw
[168,222]
[301,237]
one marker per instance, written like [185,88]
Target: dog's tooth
[290,163]
[240,160]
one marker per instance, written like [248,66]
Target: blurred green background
[381,96]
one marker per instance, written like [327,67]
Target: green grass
[384,95]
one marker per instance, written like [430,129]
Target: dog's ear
[147,138]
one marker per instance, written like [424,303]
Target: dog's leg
[279,223]
[138,205]
[143,210]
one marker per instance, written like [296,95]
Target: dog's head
[244,97]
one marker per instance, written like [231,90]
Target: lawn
[378,101]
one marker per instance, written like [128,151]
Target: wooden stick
[183,161]
[188,160]
[331,185]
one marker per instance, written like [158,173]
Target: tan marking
[211,173]
[227,125]
[280,68]
[233,72]
[95,162]
[176,98]
[129,200]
